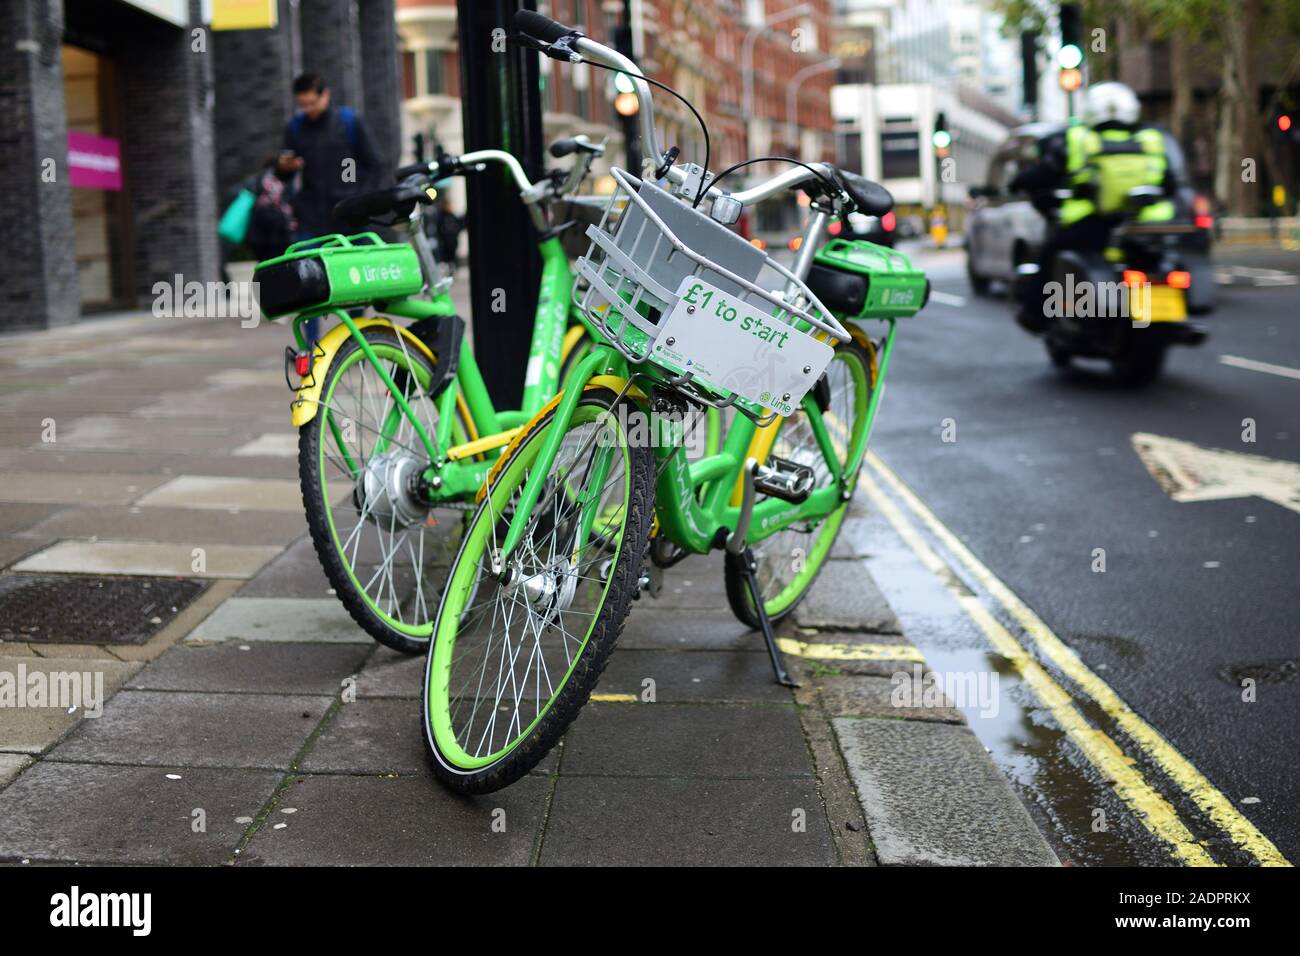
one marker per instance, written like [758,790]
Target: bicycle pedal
[784,479]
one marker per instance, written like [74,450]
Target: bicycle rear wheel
[515,656]
[789,560]
[383,549]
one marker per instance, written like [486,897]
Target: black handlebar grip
[563,147]
[412,170]
[542,28]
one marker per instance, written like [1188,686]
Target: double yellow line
[1127,779]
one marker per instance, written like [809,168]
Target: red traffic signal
[1284,122]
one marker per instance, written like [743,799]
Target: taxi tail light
[1134,277]
[1179,279]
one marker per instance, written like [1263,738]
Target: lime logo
[355,275]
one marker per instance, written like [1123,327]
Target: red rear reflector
[1134,277]
[1179,280]
[888,221]
[302,364]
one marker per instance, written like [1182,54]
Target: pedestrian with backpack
[334,153]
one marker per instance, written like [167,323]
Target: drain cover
[84,609]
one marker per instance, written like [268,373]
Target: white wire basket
[670,287]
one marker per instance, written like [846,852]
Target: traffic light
[1070,56]
[941,138]
[1284,123]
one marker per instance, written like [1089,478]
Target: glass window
[435,78]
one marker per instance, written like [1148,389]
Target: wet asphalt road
[1195,595]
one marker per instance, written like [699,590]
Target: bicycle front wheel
[790,559]
[515,655]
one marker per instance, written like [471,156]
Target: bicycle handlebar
[567,44]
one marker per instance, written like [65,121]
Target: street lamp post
[792,93]
[747,62]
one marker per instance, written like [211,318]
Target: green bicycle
[396,428]
[598,484]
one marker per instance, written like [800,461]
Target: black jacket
[324,145]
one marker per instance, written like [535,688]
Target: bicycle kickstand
[740,550]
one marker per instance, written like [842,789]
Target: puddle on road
[1081,816]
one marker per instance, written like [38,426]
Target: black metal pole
[501,108]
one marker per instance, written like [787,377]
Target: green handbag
[234,223]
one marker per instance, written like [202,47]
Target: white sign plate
[732,345]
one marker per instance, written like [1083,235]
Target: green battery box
[337,272]
[857,280]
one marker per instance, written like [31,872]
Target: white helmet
[1110,103]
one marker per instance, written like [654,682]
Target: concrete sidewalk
[249,720]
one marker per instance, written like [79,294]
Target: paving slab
[686,740]
[663,624]
[19,516]
[284,620]
[869,696]
[74,488]
[932,796]
[274,444]
[294,574]
[603,821]
[11,765]
[391,674]
[846,597]
[154,462]
[14,548]
[177,525]
[398,821]
[371,736]
[151,558]
[854,539]
[71,812]
[196,730]
[34,729]
[226,494]
[693,676]
[114,433]
[254,667]
[700,587]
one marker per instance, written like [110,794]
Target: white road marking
[1188,472]
[1237,361]
[946,298]
[1228,275]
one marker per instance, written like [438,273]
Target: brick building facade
[182,115]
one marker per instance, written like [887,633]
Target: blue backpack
[346,113]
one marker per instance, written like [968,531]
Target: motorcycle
[1126,303]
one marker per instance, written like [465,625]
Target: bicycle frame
[695,502]
[456,470]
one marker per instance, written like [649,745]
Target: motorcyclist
[1099,162]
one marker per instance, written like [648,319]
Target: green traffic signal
[1069,57]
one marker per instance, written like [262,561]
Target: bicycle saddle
[872,199]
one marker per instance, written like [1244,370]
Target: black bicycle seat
[872,199]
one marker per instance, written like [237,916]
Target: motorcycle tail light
[1179,280]
[1134,277]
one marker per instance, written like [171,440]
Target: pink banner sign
[94,162]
